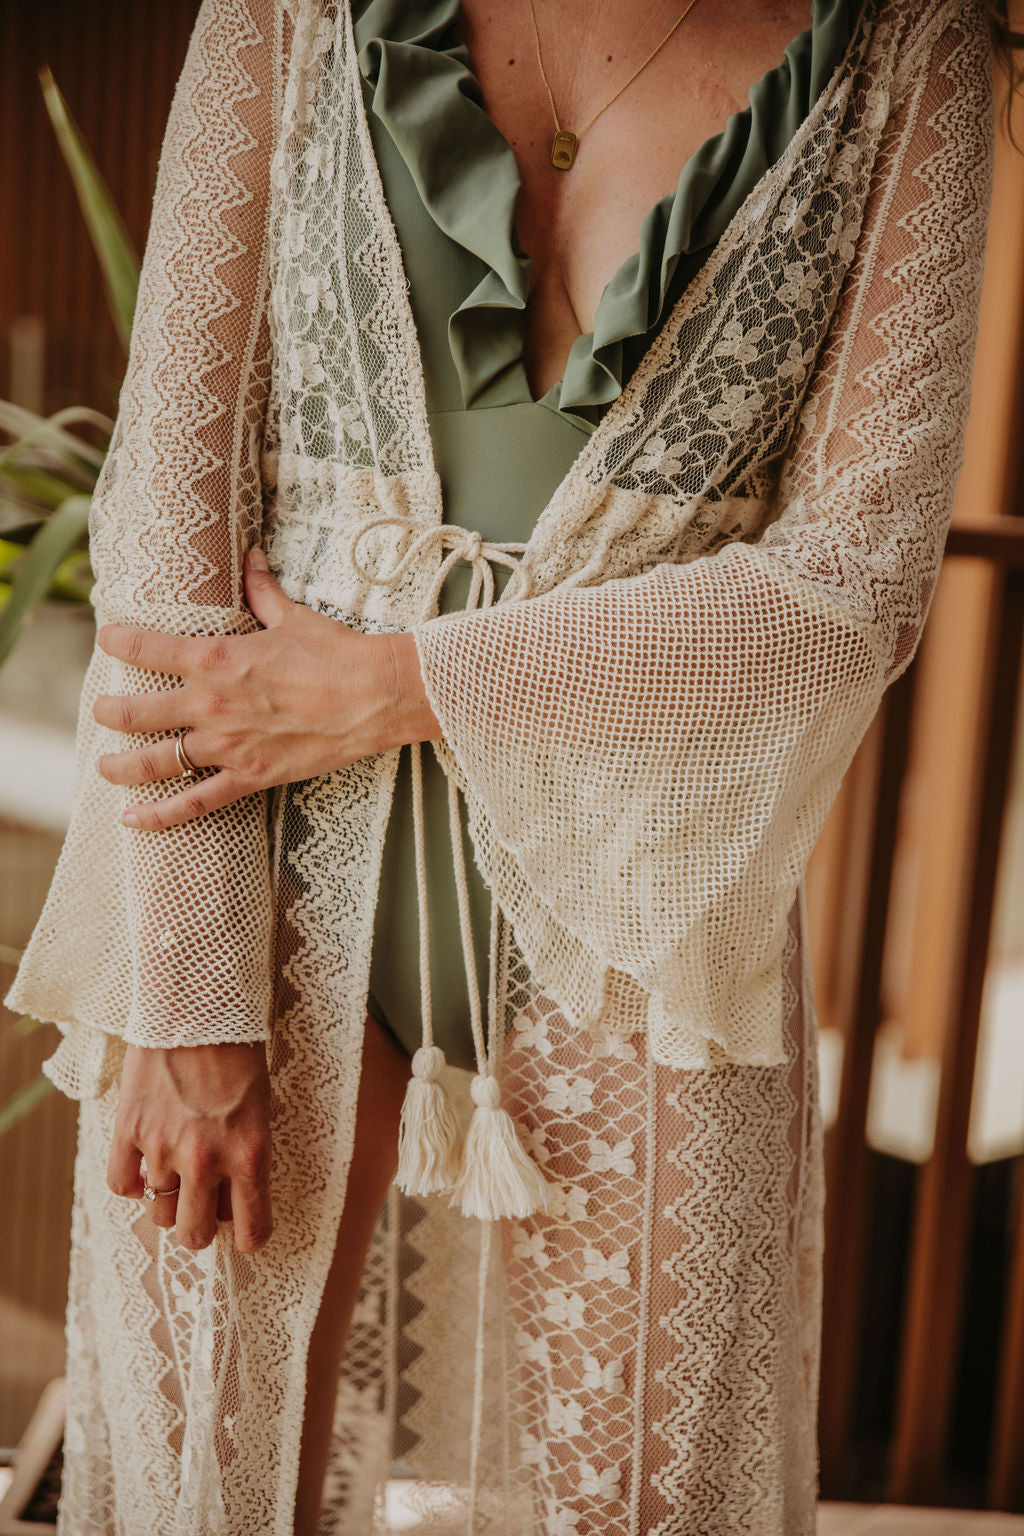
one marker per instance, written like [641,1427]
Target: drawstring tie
[489,1175]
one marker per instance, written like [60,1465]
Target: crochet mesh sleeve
[162,938]
[648,761]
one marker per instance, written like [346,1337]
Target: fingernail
[257,559]
[130,819]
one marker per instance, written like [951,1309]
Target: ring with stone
[149,1193]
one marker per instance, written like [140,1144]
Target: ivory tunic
[648,730]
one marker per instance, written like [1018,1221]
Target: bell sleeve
[162,938]
[649,761]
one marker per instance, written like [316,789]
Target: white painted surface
[36,762]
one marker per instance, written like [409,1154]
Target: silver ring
[149,1193]
[187,766]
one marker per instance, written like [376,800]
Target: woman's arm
[649,762]
[177,506]
[164,939]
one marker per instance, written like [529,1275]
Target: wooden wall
[36,1160]
[116,62]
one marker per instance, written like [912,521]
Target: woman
[707,457]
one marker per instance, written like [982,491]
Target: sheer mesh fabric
[173,927]
[698,717]
[649,728]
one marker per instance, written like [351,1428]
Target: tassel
[498,1176]
[429,1139]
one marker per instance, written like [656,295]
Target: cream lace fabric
[648,729]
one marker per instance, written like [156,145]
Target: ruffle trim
[430,101]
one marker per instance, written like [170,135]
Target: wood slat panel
[1006,1480]
[889,1520]
[865,877]
[116,62]
[974,713]
[36,1160]
[988,538]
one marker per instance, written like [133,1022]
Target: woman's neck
[579,226]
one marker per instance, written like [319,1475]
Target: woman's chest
[580,225]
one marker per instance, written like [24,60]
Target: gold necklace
[564,144]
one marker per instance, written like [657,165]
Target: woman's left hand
[300,697]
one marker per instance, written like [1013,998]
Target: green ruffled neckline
[427,96]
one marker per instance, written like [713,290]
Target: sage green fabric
[451,180]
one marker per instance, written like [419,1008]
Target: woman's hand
[201,1114]
[304,695]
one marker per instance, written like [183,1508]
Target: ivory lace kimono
[648,730]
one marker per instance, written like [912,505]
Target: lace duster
[647,731]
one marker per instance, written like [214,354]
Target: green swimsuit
[451,181]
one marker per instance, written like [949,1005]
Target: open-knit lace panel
[648,1356]
[649,759]
[661,1316]
[162,938]
[649,1350]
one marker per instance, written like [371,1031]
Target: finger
[151,649]
[147,765]
[123,1175]
[250,1193]
[224,1209]
[254,1219]
[196,1225]
[206,795]
[165,710]
[161,1176]
[262,591]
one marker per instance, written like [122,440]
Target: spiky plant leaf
[51,434]
[54,541]
[110,238]
[25,1099]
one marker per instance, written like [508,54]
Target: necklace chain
[564,145]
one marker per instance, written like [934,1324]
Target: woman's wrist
[411,717]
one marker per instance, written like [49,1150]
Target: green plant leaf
[110,238]
[36,486]
[73,579]
[55,539]
[24,1100]
[18,520]
[27,1025]
[51,433]
[9,955]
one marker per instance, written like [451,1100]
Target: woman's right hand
[201,1114]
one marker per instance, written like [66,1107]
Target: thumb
[262,593]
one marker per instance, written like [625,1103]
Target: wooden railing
[901,893]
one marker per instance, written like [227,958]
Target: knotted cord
[492,1175]
[460,544]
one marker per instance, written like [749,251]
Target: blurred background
[915,893]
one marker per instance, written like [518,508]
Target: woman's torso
[580,226]
[497,327]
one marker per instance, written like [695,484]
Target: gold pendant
[563,150]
